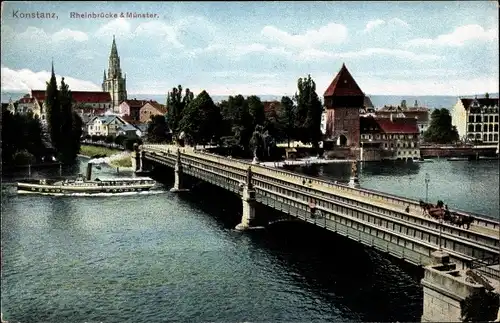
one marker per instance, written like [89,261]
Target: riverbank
[113,157]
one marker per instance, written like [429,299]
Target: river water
[162,257]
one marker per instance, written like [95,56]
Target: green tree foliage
[176,103]
[309,110]
[21,135]
[440,129]
[53,110]
[480,307]
[237,121]
[287,118]
[201,120]
[158,130]
[120,139]
[262,143]
[65,125]
[256,111]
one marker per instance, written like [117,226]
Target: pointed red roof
[343,85]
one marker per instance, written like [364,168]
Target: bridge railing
[481,220]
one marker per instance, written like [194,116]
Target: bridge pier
[136,159]
[445,288]
[249,201]
[178,182]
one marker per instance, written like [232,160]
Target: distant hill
[429,101]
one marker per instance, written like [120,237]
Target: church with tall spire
[113,82]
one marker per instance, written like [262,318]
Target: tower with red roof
[343,99]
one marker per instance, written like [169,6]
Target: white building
[476,120]
[105,125]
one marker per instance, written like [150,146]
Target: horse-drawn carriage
[440,211]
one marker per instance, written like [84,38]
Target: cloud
[330,34]
[458,37]
[244,74]
[313,54]
[162,33]
[119,27]
[158,31]
[38,35]
[373,24]
[236,51]
[25,80]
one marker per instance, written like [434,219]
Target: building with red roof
[151,108]
[389,138]
[343,100]
[477,119]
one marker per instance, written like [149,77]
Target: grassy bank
[90,151]
[124,161]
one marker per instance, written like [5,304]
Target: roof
[106,119]
[343,85]
[398,125]
[134,103]
[420,115]
[270,106]
[368,102]
[483,102]
[78,96]
[127,127]
[160,107]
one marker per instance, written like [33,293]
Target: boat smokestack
[89,171]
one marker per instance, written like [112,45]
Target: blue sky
[400,48]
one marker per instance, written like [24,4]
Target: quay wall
[455,152]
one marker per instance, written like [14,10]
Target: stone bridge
[455,258]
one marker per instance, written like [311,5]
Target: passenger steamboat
[85,185]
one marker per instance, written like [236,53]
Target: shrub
[109,139]
[23,157]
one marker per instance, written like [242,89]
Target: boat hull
[27,188]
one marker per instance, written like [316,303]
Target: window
[478,118]
[490,128]
[471,118]
[392,145]
[478,128]
[491,118]
[485,137]
[471,128]
[495,137]
[496,128]
[385,145]
[490,137]
[415,152]
[496,118]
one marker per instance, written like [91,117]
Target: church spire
[104,79]
[114,51]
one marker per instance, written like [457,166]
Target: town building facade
[389,139]
[131,108]
[151,108]
[476,120]
[105,125]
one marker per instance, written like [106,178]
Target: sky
[229,48]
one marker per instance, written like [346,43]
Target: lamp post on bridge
[427,180]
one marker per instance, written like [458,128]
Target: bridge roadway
[371,217]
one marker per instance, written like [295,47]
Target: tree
[201,120]
[237,120]
[21,137]
[440,129]
[487,95]
[176,104]
[119,140]
[288,118]
[158,130]
[309,110]
[256,110]
[53,110]
[480,307]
